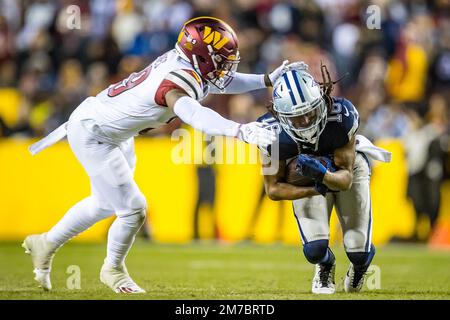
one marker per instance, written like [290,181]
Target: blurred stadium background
[399,80]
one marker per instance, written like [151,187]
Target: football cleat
[354,279]
[323,281]
[42,253]
[118,279]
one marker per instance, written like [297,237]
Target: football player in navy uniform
[311,124]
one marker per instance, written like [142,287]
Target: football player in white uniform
[318,132]
[101,134]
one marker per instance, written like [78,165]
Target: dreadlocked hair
[269,108]
[327,85]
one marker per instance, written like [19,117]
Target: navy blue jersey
[342,123]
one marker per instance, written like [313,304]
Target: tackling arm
[199,117]
[204,119]
[278,190]
[245,82]
[344,159]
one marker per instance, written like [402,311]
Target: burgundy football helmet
[211,46]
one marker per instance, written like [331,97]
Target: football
[293,177]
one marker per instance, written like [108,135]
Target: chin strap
[196,67]
[181,53]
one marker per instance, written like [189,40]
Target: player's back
[126,108]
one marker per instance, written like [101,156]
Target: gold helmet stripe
[217,19]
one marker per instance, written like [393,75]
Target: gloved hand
[254,133]
[298,65]
[311,167]
[327,163]
[285,67]
[278,72]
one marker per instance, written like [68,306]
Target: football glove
[311,167]
[328,163]
[254,133]
[285,67]
[298,65]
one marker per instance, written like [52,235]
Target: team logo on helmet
[211,46]
[215,37]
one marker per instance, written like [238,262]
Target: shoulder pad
[189,81]
[345,113]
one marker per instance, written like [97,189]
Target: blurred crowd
[396,54]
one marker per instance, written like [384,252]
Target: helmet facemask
[305,123]
[300,107]
[224,68]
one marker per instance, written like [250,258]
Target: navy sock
[329,258]
[361,260]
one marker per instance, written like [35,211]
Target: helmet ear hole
[202,59]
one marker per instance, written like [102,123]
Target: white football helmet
[300,106]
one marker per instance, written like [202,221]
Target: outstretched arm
[245,82]
[206,120]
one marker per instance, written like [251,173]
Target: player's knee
[315,251]
[138,202]
[135,208]
[362,259]
[354,241]
[140,216]
[135,219]
[139,208]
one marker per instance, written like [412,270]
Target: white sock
[121,236]
[79,218]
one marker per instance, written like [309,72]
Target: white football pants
[353,208]
[110,168]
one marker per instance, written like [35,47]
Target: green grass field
[213,271]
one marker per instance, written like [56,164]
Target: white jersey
[137,103]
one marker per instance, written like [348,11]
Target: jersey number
[132,81]
[335,114]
